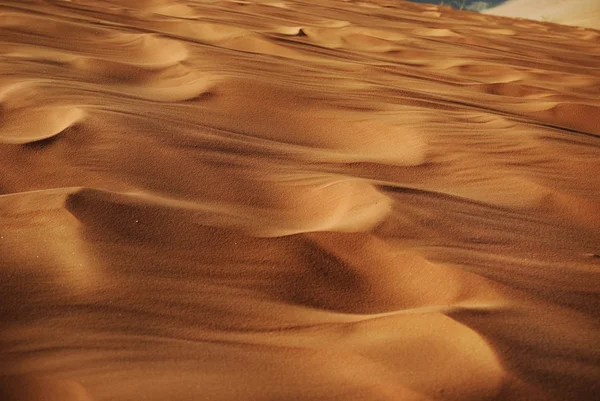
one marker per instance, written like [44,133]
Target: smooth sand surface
[296,200]
[583,13]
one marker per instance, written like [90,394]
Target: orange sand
[296,200]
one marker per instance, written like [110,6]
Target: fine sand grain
[296,200]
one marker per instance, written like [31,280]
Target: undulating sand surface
[585,13]
[296,200]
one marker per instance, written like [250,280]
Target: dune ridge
[273,200]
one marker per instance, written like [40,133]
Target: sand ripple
[24,121]
[293,200]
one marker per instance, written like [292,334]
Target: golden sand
[296,200]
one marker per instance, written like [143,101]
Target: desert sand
[584,13]
[296,200]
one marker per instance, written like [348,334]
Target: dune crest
[296,200]
[24,121]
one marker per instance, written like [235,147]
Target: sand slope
[296,200]
[583,13]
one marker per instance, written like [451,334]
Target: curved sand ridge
[144,50]
[284,208]
[170,84]
[353,38]
[142,65]
[273,200]
[226,36]
[273,113]
[149,8]
[38,388]
[25,121]
[303,328]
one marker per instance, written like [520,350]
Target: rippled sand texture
[296,200]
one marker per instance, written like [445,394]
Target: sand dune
[296,200]
[583,13]
[25,122]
